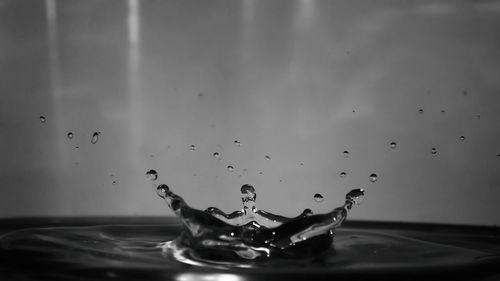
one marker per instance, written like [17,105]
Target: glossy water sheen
[137,252]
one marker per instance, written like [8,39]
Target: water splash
[318,198]
[250,235]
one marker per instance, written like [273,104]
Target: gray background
[300,81]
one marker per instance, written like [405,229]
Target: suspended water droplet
[162,190]
[356,196]
[498,156]
[301,164]
[434,150]
[95,137]
[373,177]
[192,147]
[237,143]
[464,93]
[152,175]
[230,168]
[70,135]
[267,157]
[318,198]
[216,154]
[113,183]
[345,153]
[42,119]
[443,111]
[393,144]
[478,116]
[342,174]
[194,174]
[421,111]
[260,173]
[462,138]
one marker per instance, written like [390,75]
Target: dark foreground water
[134,249]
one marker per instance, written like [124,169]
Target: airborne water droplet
[237,143]
[393,144]
[434,150]
[113,183]
[318,198]
[346,153]
[70,135]
[95,137]
[192,147]
[373,177]
[216,154]
[421,111]
[267,157]
[342,174]
[152,175]
[162,190]
[230,168]
[498,156]
[462,138]
[42,119]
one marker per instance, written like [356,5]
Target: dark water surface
[130,249]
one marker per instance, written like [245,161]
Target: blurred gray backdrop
[300,81]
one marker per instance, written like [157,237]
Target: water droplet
[230,168]
[434,150]
[267,157]
[393,144]
[342,174]
[355,196]
[200,95]
[465,93]
[421,111]
[237,143]
[462,138]
[95,137]
[216,154]
[192,147]
[151,155]
[318,198]
[498,156]
[301,164]
[77,146]
[260,173]
[443,111]
[194,174]
[113,183]
[478,116]
[373,177]
[152,175]
[346,153]
[70,135]
[162,190]
[42,119]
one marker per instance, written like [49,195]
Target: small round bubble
[318,198]
[95,137]
[373,177]
[152,175]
